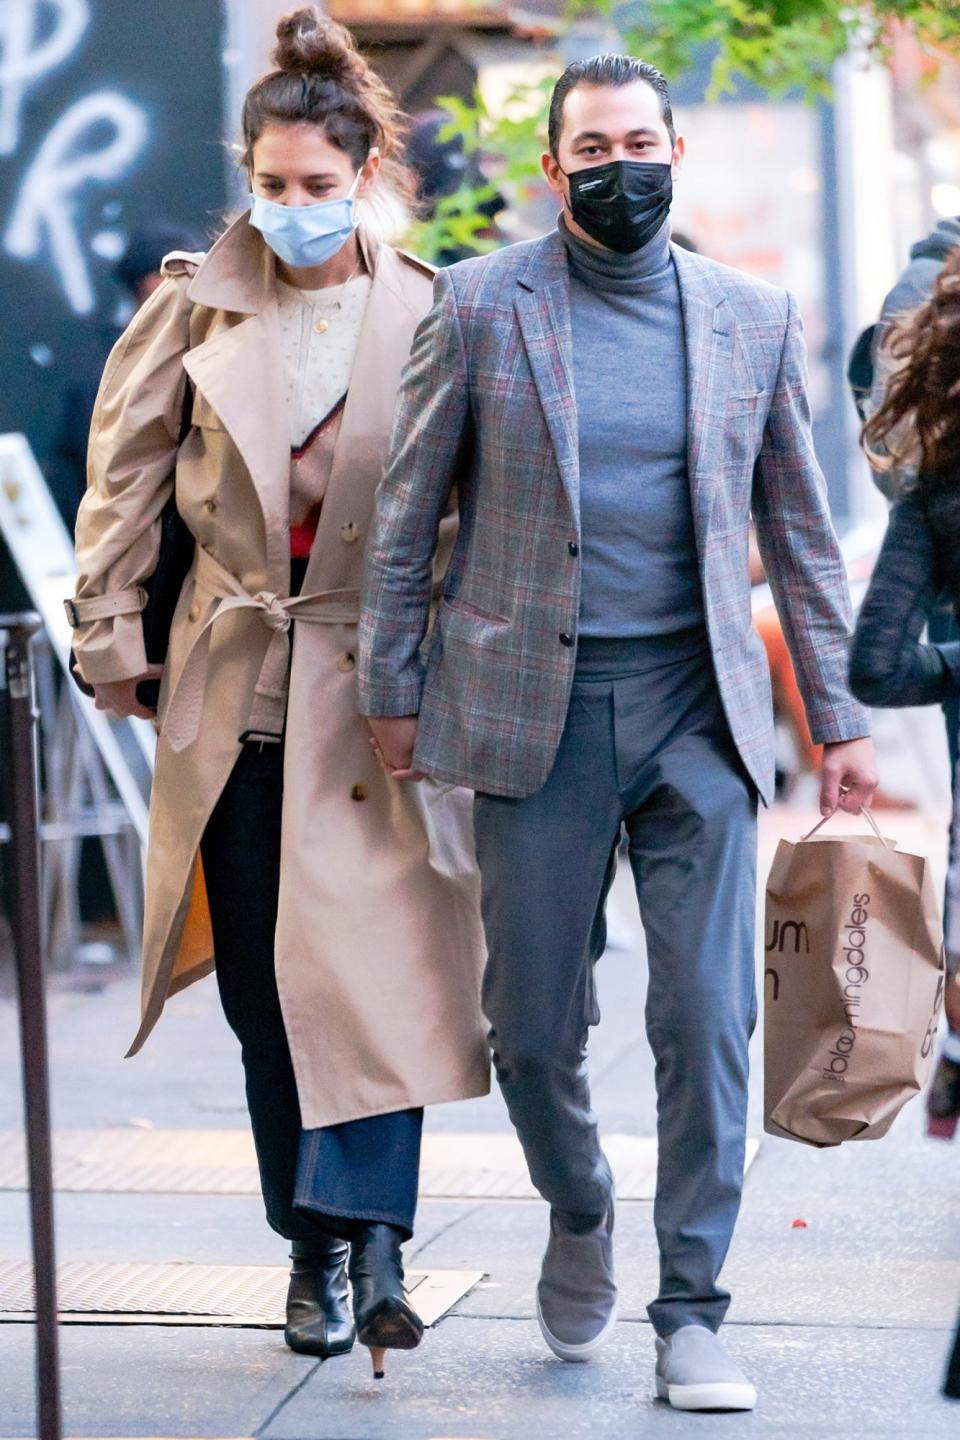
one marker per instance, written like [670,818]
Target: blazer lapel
[709,351]
[543,313]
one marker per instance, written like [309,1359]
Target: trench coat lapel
[708,334]
[239,370]
[543,313]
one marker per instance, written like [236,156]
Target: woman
[918,429]
[260,381]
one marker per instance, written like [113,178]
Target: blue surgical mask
[305,235]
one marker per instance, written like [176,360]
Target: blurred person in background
[871,362]
[610,409]
[894,453]
[442,167]
[347,946]
[788,704]
[138,273]
[917,428]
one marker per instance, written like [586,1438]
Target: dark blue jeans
[362,1170]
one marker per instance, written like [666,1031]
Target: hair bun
[309,42]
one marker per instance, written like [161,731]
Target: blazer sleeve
[134,438]
[800,551]
[889,664]
[431,432]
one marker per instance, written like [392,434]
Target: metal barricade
[21,869]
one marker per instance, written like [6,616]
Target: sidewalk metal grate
[222,1162]
[183,1293]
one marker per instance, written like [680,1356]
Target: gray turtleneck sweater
[640,574]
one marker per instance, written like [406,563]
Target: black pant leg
[241,863]
[363,1170]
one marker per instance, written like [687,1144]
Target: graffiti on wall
[96,140]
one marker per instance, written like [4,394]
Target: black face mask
[621,205]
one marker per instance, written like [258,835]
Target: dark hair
[322,79]
[607,70]
[925,391]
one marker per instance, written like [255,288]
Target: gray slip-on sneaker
[576,1296]
[694,1372]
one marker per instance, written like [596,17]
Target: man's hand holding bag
[853,984]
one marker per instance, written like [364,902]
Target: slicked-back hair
[615,70]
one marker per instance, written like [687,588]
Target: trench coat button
[574,548]
[350,533]
[210,506]
[565,639]
[359,792]
[193,614]
[346,663]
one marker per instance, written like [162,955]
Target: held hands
[120,696]
[393,740]
[848,776]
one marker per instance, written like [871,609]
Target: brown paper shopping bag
[853,984]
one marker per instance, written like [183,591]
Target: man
[609,409]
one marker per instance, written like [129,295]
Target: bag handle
[866,815]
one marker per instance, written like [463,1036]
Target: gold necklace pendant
[322,324]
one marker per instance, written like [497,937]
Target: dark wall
[121,127]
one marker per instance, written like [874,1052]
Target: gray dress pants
[646,746]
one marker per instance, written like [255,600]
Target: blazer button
[193,614]
[565,639]
[346,663]
[210,506]
[574,548]
[358,793]
[350,533]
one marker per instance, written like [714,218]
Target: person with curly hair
[917,430]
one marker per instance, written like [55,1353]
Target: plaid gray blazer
[487,408]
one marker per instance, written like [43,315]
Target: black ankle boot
[318,1310]
[385,1319]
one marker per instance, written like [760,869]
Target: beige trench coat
[379,944]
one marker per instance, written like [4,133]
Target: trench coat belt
[181,722]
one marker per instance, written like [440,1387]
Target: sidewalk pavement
[843,1323]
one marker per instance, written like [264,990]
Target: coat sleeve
[431,432]
[889,664]
[800,551]
[134,438]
